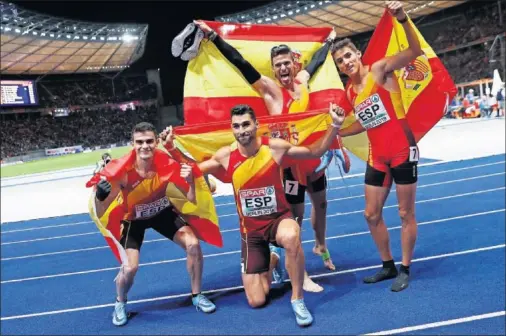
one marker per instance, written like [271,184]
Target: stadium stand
[462,33]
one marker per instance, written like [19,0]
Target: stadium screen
[19,93]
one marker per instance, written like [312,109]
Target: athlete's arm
[315,150]
[264,85]
[353,129]
[217,161]
[317,60]
[384,67]
[187,175]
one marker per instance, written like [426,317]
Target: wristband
[335,126]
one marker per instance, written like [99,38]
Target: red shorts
[255,253]
[401,167]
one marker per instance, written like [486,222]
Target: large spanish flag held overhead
[201,216]
[213,85]
[426,86]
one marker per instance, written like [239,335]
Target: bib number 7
[414,154]
[292,187]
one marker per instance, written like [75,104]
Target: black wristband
[403,21]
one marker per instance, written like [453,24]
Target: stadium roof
[347,17]
[33,43]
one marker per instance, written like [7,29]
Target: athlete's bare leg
[375,198]
[288,236]
[125,278]
[185,238]
[319,223]
[309,285]
[256,287]
[406,195]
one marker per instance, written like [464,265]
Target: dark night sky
[165,18]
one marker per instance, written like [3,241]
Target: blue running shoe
[302,314]
[325,159]
[119,316]
[203,303]
[278,273]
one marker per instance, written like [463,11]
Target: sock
[404,269]
[389,264]
[194,295]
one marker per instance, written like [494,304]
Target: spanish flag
[213,86]
[201,217]
[202,141]
[426,86]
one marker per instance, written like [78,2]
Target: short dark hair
[343,44]
[242,109]
[144,127]
[280,50]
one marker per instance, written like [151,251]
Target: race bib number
[151,209]
[258,202]
[371,112]
[291,187]
[414,154]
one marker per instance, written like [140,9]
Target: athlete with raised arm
[254,164]
[393,152]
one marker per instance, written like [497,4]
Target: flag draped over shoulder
[202,141]
[426,86]
[201,217]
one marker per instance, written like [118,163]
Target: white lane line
[440,256]
[238,251]
[440,323]
[49,238]
[46,227]
[427,174]
[422,201]
[233,203]
[233,230]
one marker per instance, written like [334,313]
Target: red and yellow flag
[202,141]
[201,216]
[426,86]
[213,85]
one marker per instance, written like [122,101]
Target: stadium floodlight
[127,38]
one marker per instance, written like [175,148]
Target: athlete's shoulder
[277,143]
[224,152]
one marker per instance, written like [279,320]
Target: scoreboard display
[19,93]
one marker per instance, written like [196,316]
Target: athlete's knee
[129,271]
[290,237]
[372,217]
[407,216]
[193,246]
[257,300]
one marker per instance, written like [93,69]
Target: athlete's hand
[332,36]
[167,137]
[395,8]
[203,26]
[337,114]
[187,173]
[103,190]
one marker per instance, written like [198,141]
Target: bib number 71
[414,154]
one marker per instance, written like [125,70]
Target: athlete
[254,164]
[148,207]
[291,95]
[106,158]
[393,152]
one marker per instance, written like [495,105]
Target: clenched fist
[187,173]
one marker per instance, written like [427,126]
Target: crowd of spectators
[88,92]
[87,127]
[94,126]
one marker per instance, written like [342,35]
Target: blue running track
[57,273]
